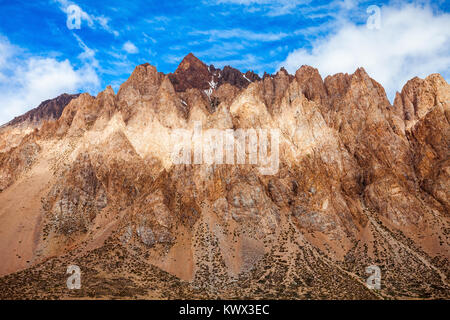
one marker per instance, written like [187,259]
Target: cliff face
[360,182]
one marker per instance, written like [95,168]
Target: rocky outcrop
[74,202]
[17,161]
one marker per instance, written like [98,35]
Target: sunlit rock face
[359,182]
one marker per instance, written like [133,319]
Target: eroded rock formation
[360,182]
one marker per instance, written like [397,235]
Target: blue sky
[46,50]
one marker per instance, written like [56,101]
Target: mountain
[359,182]
[14,131]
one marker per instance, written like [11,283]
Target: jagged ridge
[360,182]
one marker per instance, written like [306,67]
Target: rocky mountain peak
[191,63]
[311,83]
[193,73]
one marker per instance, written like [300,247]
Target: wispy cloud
[88,54]
[222,50]
[412,41]
[268,7]
[159,20]
[240,34]
[173,59]
[148,38]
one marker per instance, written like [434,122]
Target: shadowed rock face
[361,182]
[47,110]
[193,73]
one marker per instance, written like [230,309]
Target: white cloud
[6,50]
[129,47]
[26,81]
[412,41]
